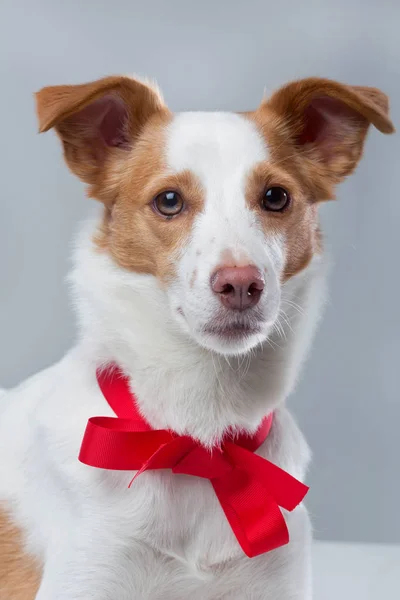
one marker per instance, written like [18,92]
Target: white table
[356,571]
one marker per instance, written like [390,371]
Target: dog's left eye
[275,199]
[168,203]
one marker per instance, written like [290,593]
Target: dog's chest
[179,515]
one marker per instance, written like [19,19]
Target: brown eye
[275,199]
[168,203]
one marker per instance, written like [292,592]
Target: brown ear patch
[19,574]
[293,99]
[97,121]
[55,104]
[316,128]
[114,134]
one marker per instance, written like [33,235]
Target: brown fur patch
[113,134]
[307,162]
[136,236]
[288,127]
[297,225]
[284,153]
[77,114]
[19,574]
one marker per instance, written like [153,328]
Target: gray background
[220,55]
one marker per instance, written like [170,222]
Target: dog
[198,289]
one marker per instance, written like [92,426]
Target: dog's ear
[95,119]
[329,121]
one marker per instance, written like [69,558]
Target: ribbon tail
[253,514]
[142,470]
[251,496]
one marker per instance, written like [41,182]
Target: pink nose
[238,287]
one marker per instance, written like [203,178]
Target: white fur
[166,538]
[221,149]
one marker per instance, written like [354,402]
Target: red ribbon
[249,488]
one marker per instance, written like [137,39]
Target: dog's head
[220,208]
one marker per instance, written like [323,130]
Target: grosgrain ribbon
[250,488]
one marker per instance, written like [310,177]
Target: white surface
[356,572]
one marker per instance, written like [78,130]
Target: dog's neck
[179,385]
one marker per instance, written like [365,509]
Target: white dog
[197,290]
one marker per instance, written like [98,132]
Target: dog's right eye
[168,203]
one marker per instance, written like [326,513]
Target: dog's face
[220,208]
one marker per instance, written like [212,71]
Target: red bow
[249,488]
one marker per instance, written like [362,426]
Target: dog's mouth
[230,332]
[233,331]
[233,328]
